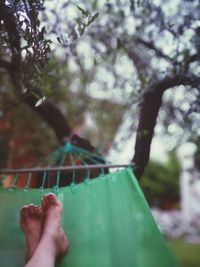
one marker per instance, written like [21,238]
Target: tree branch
[55,119]
[137,60]
[150,107]
[50,114]
[191,59]
[151,46]
[5,64]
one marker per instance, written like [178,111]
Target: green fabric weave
[108,222]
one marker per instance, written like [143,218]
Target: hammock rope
[69,161]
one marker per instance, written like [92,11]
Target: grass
[188,254]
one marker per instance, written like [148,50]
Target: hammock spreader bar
[65,168]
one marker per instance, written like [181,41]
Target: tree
[132,33]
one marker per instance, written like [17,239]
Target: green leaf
[84,12]
[92,19]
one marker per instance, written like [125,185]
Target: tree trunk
[147,121]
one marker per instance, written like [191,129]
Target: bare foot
[52,209]
[31,222]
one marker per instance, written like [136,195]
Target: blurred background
[119,76]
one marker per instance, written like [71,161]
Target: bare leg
[31,222]
[53,242]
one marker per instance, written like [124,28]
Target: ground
[187,253]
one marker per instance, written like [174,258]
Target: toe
[44,203]
[52,199]
[39,212]
[34,211]
[24,213]
[31,209]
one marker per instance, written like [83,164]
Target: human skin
[45,238]
[31,222]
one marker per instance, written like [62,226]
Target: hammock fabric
[107,220]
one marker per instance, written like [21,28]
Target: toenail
[52,201]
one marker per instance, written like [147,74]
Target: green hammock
[107,219]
